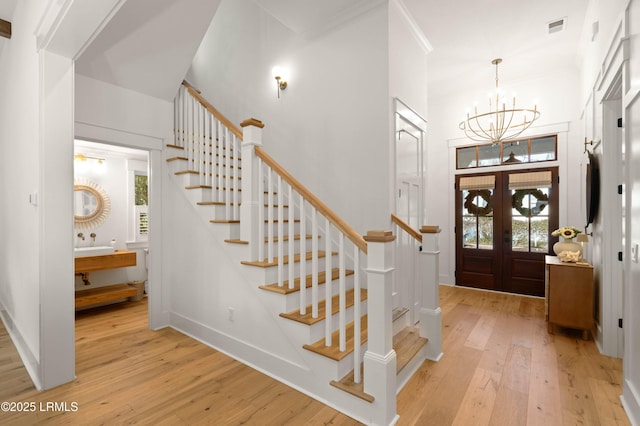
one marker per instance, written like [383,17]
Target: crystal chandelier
[503,121]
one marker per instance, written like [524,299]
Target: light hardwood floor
[500,367]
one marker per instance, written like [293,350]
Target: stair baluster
[267,190]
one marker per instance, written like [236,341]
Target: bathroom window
[138,201]
[141,208]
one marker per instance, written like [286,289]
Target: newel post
[380,358]
[430,314]
[251,137]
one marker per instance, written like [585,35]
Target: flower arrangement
[568,232]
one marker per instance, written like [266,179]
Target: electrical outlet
[231,312]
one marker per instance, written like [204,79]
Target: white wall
[408,50]
[19,177]
[558,94]
[616,50]
[330,127]
[107,107]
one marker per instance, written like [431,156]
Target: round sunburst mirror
[91,204]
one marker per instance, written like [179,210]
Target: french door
[504,222]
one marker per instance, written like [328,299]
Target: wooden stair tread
[296,258]
[407,343]
[195,172]
[296,237]
[322,275]
[236,241]
[211,187]
[266,239]
[177,159]
[108,293]
[348,385]
[322,308]
[224,221]
[333,352]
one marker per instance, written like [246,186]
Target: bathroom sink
[93,251]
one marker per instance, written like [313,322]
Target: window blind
[477,182]
[531,180]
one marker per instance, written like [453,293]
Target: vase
[567,244]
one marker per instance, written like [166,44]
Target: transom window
[521,151]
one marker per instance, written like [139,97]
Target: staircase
[354,352]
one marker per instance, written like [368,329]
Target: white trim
[158,317]
[27,357]
[630,399]
[413,27]
[532,132]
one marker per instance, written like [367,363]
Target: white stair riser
[176,165]
[316,331]
[219,211]
[271,271]
[189,179]
[336,370]
[401,322]
[292,300]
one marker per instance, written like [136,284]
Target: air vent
[557,25]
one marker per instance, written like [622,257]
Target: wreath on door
[542,200]
[473,208]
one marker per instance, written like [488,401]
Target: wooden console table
[569,295]
[91,296]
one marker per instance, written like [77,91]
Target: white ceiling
[467,35]
[148,45]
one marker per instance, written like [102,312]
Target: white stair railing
[211,146]
[344,248]
[281,219]
[423,296]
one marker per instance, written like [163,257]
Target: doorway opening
[110,253]
[504,221]
[410,128]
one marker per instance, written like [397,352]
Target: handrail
[224,120]
[406,227]
[340,224]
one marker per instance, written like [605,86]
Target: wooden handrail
[405,226]
[313,200]
[224,120]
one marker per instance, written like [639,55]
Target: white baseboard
[631,402]
[283,370]
[29,360]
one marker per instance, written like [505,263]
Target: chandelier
[503,121]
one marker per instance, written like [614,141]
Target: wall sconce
[83,166]
[279,74]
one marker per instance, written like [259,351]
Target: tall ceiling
[467,35]
[148,44]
